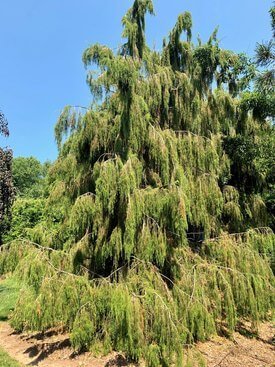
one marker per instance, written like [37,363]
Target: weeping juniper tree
[6,187]
[139,246]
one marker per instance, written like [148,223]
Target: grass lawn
[7,361]
[9,291]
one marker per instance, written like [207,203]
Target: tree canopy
[30,190]
[29,176]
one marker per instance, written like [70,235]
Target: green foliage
[11,255]
[6,360]
[138,309]
[261,105]
[265,56]
[9,292]
[134,27]
[26,213]
[252,172]
[261,102]
[29,176]
[29,207]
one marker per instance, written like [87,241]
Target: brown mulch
[243,350]
[53,349]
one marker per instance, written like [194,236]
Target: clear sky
[42,41]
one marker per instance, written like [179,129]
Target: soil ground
[243,350]
[53,350]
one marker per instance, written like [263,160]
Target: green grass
[6,360]
[9,291]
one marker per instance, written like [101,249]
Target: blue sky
[42,43]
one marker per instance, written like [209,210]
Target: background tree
[4,130]
[261,100]
[265,85]
[31,190]
[25,214]
[29,176]
[265,57]
[6,186]
[252,150]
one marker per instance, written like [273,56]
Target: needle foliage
[138,250]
